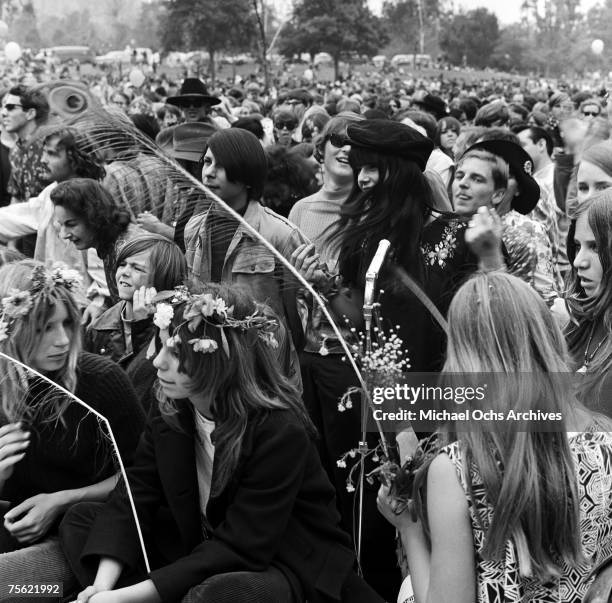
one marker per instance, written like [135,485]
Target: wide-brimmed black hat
[391,138]
[434,104]
[521,167]
[193,89]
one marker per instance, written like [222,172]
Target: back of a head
[492,114]
[252,124]
[498,323]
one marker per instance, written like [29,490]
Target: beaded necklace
[589,357]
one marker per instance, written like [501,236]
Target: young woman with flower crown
[52,450]
[247,512]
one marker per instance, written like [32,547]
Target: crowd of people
[191,263]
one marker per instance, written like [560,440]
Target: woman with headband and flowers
[230,493]
[52,450]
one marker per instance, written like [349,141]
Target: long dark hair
[90,201]
[395,209]
[588,312]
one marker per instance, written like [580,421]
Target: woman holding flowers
[511,510]
[247,512]
[52,450]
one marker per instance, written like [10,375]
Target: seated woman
[53,452]
[589,300]
[229,452]
[518,512]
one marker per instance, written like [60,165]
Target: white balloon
[597,46]
[137,77]
[3,29]
[12,51]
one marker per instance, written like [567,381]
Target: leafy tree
[338,27]
[472,35]
[556,24]
[212,24]
[402,20]
[513,49]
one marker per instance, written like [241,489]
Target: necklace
[588,357]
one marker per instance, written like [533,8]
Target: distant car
[379,61]
[402,59]
[322,58]
[67,54]
[114,56]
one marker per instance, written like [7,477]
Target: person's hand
[483,237]
[387,507]
[573,133]
[141,303]
[305,260]
[91,313]
[149,222]
[85,595]
[30,520]
[14,442]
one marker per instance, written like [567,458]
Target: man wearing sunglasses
[590,109]
[24,111]
[284,125]
[194,101]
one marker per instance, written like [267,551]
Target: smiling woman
[88,216]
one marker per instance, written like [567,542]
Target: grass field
[325,73]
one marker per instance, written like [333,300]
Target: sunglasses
[339,140]
[590,113]
[11,106]
[282,125]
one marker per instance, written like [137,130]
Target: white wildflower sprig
[381,364]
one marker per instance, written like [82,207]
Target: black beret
[391,138]
[521,167]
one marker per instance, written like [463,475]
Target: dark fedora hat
[391,138]
[185,141]
[521,167]
[193,89]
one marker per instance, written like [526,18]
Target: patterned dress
[500,581]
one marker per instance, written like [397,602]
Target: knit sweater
[316,217]
[79,453]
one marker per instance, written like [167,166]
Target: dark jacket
[75,452]
[111,336]
[279,509]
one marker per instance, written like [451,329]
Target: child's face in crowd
[132,273]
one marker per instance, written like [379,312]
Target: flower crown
[214,312]
[19,303]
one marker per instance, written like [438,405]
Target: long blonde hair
[498,324]
[17,402]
